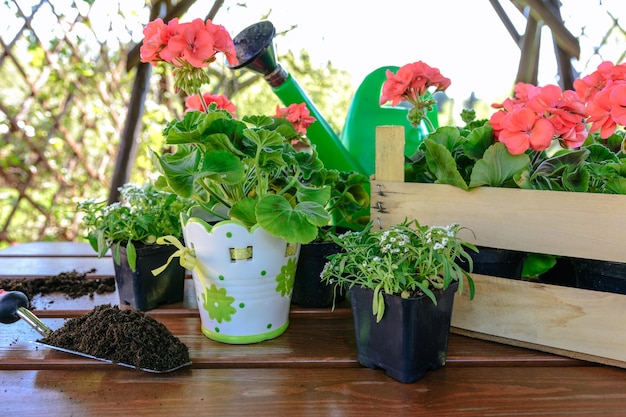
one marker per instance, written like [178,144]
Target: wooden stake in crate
[572,322]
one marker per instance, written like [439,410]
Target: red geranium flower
[617,97]
[298,115]
[193,102]
[193,44]
[523,129]
[191,47]
[412,82]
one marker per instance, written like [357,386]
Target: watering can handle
[366,113]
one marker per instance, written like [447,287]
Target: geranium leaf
[178,169]
[563,172]
[318,195]
[600,154]
[223,166]
[245,211]
[616,186]
[294,224]
[478,141]
[497,167]
[576,179]
[268,145]
[309,162]
[190,128]
[442,165]
[572,159]
[447,136]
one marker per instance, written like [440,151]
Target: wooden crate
[582,324]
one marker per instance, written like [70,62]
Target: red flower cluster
[194,102]
[536,115]
[298,115]
[605,93]
[411,82]
[195,43]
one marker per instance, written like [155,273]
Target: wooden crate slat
[581,225]
[551,318]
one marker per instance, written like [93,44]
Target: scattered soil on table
[73,284]
[123,336]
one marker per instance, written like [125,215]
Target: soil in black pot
[121,336]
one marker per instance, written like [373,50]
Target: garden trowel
[13,306]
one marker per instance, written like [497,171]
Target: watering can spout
[255,51]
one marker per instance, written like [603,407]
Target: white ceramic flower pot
[243,280]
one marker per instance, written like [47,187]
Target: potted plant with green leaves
[129,229]
[348,207]
[402,283]
[254,202]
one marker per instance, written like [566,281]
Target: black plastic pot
[598,275]
[410,339]
[496,262]
[144,291]
[308,288]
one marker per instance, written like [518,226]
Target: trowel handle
[13,306]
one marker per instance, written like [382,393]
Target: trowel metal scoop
[13,306]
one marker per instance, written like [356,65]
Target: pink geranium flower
[605,92]
[298,115]
[191,47]
[193,44]
[564,110]
[523,129]
[599,111]
[412,82]
[223,43]
[193,102]
[156,37]
[617,98]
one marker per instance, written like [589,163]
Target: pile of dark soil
[123,336]
[73,284]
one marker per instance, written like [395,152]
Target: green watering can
[365,113]
[356,149]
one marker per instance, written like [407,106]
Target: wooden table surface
[311,370]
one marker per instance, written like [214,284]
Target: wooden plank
[567,321]
[362,392]
[308,342]
[581,225]
[390,153]
[50,249]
